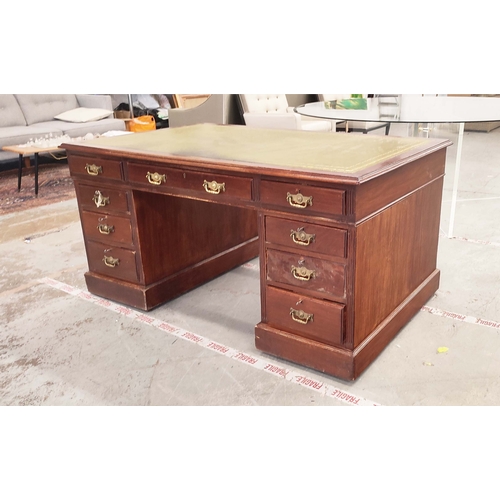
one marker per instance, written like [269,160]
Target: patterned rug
[54,184]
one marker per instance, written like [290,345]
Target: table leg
[36,174]
[426,129]
[455,180]
[20,172]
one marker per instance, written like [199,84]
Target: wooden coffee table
[28,151]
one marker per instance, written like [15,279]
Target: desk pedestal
[178,244]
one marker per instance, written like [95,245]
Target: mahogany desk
[345,226]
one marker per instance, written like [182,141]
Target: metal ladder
[389,105]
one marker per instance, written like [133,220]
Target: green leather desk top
[321,152]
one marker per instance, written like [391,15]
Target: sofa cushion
[96,127]
[13,136]
[82,115]
[43,107]
[10,112]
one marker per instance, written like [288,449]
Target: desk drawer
[107,228]
[102,199]
[93,168]
[308,237]
[308,273]
[153,176]
[204,184]
[304,199]
[314,319]
[116,262]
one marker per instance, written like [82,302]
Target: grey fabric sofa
[31,116]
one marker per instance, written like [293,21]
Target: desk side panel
[380,192]
[396,251]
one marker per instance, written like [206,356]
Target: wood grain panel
[376,194]
[395,253]
[175,233]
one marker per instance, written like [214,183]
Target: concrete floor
[61,346]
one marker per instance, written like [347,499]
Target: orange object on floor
[142,124]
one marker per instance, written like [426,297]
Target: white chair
[273,111]
[352,126]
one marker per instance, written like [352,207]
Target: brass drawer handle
[299,200]
[214,187]
[100,200]
[105,229]
[93,169]
[300,316]
[301,237]
[302,273]
[110,261]
[156,178]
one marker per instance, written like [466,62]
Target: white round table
[417,109]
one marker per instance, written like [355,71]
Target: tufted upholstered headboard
[264,103]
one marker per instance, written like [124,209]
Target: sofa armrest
[100,101]
[213,110]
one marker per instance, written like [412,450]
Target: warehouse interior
[62,347]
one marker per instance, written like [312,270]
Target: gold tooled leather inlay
[317,151]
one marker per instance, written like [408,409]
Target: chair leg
[387,129]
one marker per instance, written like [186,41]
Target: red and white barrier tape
[250,265]
[440,312]
[461,317]
[250,360]
[478,242]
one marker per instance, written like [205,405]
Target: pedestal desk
[346,228]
